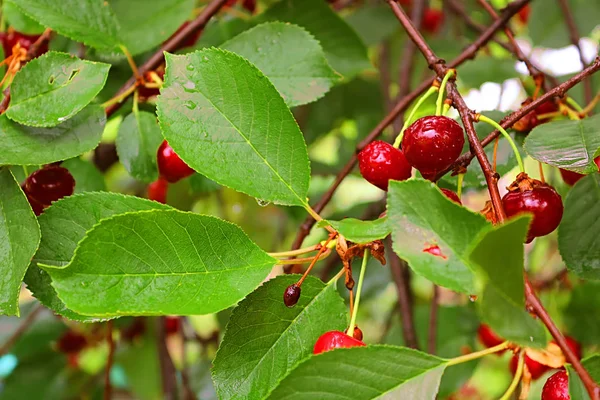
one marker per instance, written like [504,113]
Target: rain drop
[205,58]
[190,104]
[263,203]
[190,67]
[189,87]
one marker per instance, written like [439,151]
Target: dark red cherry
[432,20]
[557,387]
[488,337]
[536,369]
[10,38]
[157,190]
[170,166]
[172,325]
[543,202]
[71,342]
[451,195]
[571,177]
[334,340]
[431,144]
[49,184]
[380,161]
[291,295]
[573,345]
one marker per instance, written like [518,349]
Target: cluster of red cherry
[171,168]
[557,386]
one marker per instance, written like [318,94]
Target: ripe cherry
[431,144]
[36,206]
[536,369]
[71,342]
[488,337]
[380,161]
[531,120]
[170,166]
[10,38]
[291,295]
[571,177]
[432,20]
[172,325]
[49,184]
[524,14]
[451,195]
[557,387]
[157,190]
[532,196]
[334,340]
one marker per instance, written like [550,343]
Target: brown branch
[34,49]
[467,54]
[575,38]
[20,329]
[170,45]
[433,313]
[109,361]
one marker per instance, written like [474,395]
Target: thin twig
[109,360]
[20,329]
[433,314]
[34,49]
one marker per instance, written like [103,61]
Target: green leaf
[581,315]
[89,21]
[359,231]
[566,144]
[87,177]
[265,339]
[53,88]
[421,218]
[505,272]
[373,23]
[227,121]
[24,145]
[343,48]
[145,25]
[576,386]
[19,21]
[137,143]
[219,31]
[19,239]
[160,262]
[509,321]
[371,372]
[290,57]
[578,230]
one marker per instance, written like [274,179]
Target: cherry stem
[324,249]
[574,104]
[574,115]
[130,61]
[542,177]
[361,278]
[459,184]
[120,97]
[407,121]
[318,218]
[549,115]
[517,378]
[496,125]
[320,255]
[336,277]
[136,99]
[440,99]
[591,105]
[478,354]
[292,253]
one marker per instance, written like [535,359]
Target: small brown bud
[291,295]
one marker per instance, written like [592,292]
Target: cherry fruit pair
[171,168]
[47,185]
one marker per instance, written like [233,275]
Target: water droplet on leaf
[263,203]
[190,104]
[190,67]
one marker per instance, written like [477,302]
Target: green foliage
[359,231]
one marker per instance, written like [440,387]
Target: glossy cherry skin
[488,337]
[157,190]
[535,368]
[335,340]
[380,161]
[11,38]
[432,20]
[571,177]
[49,184]
[451,195]
[557,387]
[543,202]
[431,144]
[170,166]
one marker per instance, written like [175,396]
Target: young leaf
[343,48]
[160,262]
[505,272]
[359,231]
[87,177]
[89,21]
[227,121]
[145,25]
[137,143]
[359,373]
[433,233]
[290,57]
[265,339]
[566,144]
[52,88]
[24,145]
[19,239]
[579,230]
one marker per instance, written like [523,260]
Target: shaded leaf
[359,231]
[19,21]
[581,315]
[576,387]
[87,176]
[486,69]
[373,23]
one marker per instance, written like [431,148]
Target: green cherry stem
[478,354]
[516,379]
[440,99]
[336,277]
[496,125]
[361,278]
[407,121]
[574,104]
[459,184]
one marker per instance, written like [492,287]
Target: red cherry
[71,342]
[451,195]
[172,325]
[543,202]
[11,38]
[573,345]
[380,161]
[571,177]
[536,369]
[557,387]
[431,144]
[49,184]
[170,166]
[524,14]
[488,337]
[546,107]
[432,20]
[334,340]
[157,190]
